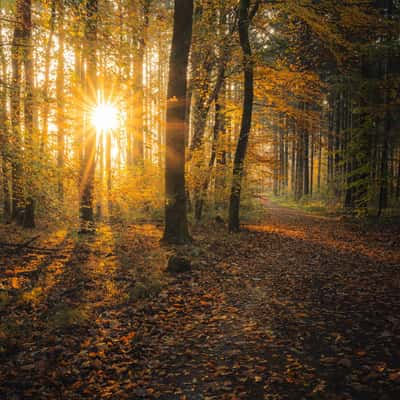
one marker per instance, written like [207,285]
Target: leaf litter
[300,307]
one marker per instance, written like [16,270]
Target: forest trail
[300,307]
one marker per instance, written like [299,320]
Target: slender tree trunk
[78,115]
[286,155]
[201,110]
[384,170]
[46,98]
[306,155]
[240,155]
[206,182]
[221,170]
[330,174]
[15,111]
[293,161]
[312,148]
[29,114]
[350,159]
[100,164]
[88,167]
[337,144]
[319,160]
[109,172]
[276,159]
[60,102]
[176,226]
[398,177]
[281,157]
[300,163]
[138,90]
[387,123]
[160,108]
[4,136]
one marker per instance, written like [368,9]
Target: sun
[105,117]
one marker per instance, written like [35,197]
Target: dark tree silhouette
[176,227]
[240,154]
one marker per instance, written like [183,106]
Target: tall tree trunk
[206,182]
[221,170]
[387,122]
[4,135]
[46,82]
[240,154]
[384,170]
[138,111]
[15,116]
[330,174]
[60,102]
[276,159]
[88,167]
[176,226]
[306,155]
[337,144]
[29,114]
[300,163]
[350,158]
[398,177]
[160,108]
[109,172]
[78,115]
[312,148]
[293,161]
[286,155]
[319,159]
[138,89]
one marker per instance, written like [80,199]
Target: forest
[200,199]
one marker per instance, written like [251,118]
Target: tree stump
[178,264]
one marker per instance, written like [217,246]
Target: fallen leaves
[292,309]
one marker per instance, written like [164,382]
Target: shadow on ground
[285,310]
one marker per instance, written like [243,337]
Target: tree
[60,100]
[139,38]
[4,135]
[29,113]
[88,165]
[15,115]
[240,154]
[46,81]
[176,226]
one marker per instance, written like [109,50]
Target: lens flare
[105,117]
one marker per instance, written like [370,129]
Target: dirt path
[301,307]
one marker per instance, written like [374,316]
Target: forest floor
[298,307]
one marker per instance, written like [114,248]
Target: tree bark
[29,112]
[46,98]
[306,154]
[312,149]
[221,170]
[176,226]
[300,163]
[88,166]
[276,159]
[60,102]
[238,164]
[109,172]
[319,159]
[15,116]
[206,182]
[4,137]
[138,89]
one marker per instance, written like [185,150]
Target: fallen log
[19,246]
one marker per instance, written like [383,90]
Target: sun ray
[104,117]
